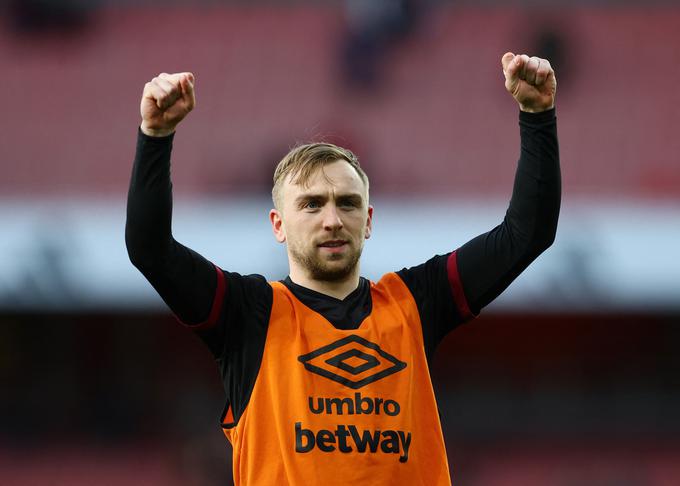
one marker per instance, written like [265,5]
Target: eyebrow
[354,197]
[351,197]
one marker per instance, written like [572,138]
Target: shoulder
[392,288]
[241,293]
[433,272]
[390,282]
[235,281]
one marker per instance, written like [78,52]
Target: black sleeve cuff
[143,138]
[537,118]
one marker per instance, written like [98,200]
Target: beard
[327,269]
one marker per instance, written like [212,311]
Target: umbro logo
[352,361]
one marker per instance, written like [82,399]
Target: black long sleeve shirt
[230,311]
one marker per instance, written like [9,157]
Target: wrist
[535,109]
[156,132]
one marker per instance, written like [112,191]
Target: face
[324,223]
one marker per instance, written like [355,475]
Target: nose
[331,218]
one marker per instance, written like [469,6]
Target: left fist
[530,80]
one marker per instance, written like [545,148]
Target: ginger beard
[324,221]
[325,265]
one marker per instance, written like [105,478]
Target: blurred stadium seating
[262,85]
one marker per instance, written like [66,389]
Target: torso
[331,405]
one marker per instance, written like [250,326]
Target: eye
[349,203]
[312,204]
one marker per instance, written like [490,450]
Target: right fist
[166,100]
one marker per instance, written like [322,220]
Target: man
[326,374]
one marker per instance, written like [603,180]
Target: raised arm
[185,280]
[490,262]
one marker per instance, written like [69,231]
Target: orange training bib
[338,407]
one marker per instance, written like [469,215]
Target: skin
[530,80]
[324,225]
[308,228]
[166,100]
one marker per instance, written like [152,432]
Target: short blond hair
[303,160]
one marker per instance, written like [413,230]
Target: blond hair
[303,161]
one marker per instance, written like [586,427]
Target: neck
[338,289]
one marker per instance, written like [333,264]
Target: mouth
[333,245]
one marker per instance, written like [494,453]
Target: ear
[277,225]
[369,222]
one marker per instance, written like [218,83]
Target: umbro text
[357,406]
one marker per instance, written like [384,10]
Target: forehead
[334,177]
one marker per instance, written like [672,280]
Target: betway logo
[347,438]
[352,361]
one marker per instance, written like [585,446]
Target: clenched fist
[530,80]
[166,100]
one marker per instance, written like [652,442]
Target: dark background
[524,399]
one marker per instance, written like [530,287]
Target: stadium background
[569,379]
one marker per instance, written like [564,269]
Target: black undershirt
[347,313]
[187,282]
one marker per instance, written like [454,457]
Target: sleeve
[453,288]
[440,309]
[488,263]
[185,280]
[237,337]
[240,321]
[228,311]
